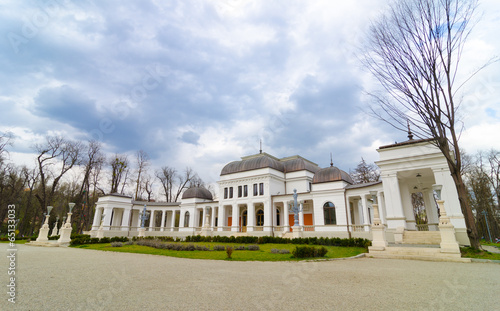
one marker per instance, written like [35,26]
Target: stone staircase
[422,237]
[418,252]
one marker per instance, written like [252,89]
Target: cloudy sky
[199,83]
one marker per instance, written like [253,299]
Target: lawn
[471,253]
[264,254]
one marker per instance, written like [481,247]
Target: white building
[255,195]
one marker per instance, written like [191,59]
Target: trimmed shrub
[105,240]
[116,244]
[129,243]
[219,247]
[309,251]
[253,247]
[280,251]
[239,248]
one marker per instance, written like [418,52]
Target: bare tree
[148,186]
[5,140]
[414,51]
[167,175]
[184,181]
[55,152]
[365,172]
[119,172]
[142,159]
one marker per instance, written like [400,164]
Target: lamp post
[44,230]
[485,213]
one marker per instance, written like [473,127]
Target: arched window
[260,217]
[186,219]
[329,212]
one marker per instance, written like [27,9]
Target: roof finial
[331,159]
[261,146]
[410,135]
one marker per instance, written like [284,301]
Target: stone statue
[295,209]
[144,217]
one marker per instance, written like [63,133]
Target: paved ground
[77,279]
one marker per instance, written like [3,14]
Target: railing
[258,228]
[360,228]
[279,229]
[308,228]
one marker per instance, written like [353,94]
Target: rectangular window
[245,190]
[225,193]
[255,190]
[240,191]
[261,189]
[230,192]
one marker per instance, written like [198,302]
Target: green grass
[264,254]
[472,253]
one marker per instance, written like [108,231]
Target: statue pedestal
[379,241]
[100,233]
[65,236]
[205,231]
[297,232]
[142,232]
[43,234]
[449,242]
[398,235]
[54,231]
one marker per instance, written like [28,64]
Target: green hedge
[86,239]
[309,251]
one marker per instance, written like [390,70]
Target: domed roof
[330,174]
[300,164]
[253,163]
[198,193]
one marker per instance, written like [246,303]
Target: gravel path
[78,279]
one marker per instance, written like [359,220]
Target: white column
[107,218]
[250,216]
[97,218]
[268,216]
[151,220]
[364,206]
[126,219]
[431,209]
[301,214]
[235,218]
[286,225]
[212,224]
[172,220]
[221,222]
[394,207]
[163,215]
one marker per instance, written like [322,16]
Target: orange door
[308,219]
[229,221]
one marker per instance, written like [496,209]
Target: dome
[330,174]
[299,164]
[198,193]
[253,163]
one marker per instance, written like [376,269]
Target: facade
[256,193]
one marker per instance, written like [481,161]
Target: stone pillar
[127,213]
[449,242]
[301,214]
[172,220]
[182,215]
[221,218]
[366,215]
[151,220]
[65,235]
[214,215]
[394,207]
[250,216]
[286,221]
[235,218]
[97,218]
[44,231]
[107,219]
[268,216]
[379,241]
[162,225]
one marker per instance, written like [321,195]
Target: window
[261,189]
[230,192]
[329,212]
[310,186]
[186,219]
[245,190]
[255,190]
[278,217]
[240,191]
[260,217]
[225,193]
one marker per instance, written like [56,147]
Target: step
[422,237]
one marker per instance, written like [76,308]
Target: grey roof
[198,193]
[115,194]
[330,174]
[300,164]
[366,184]
[253,163]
